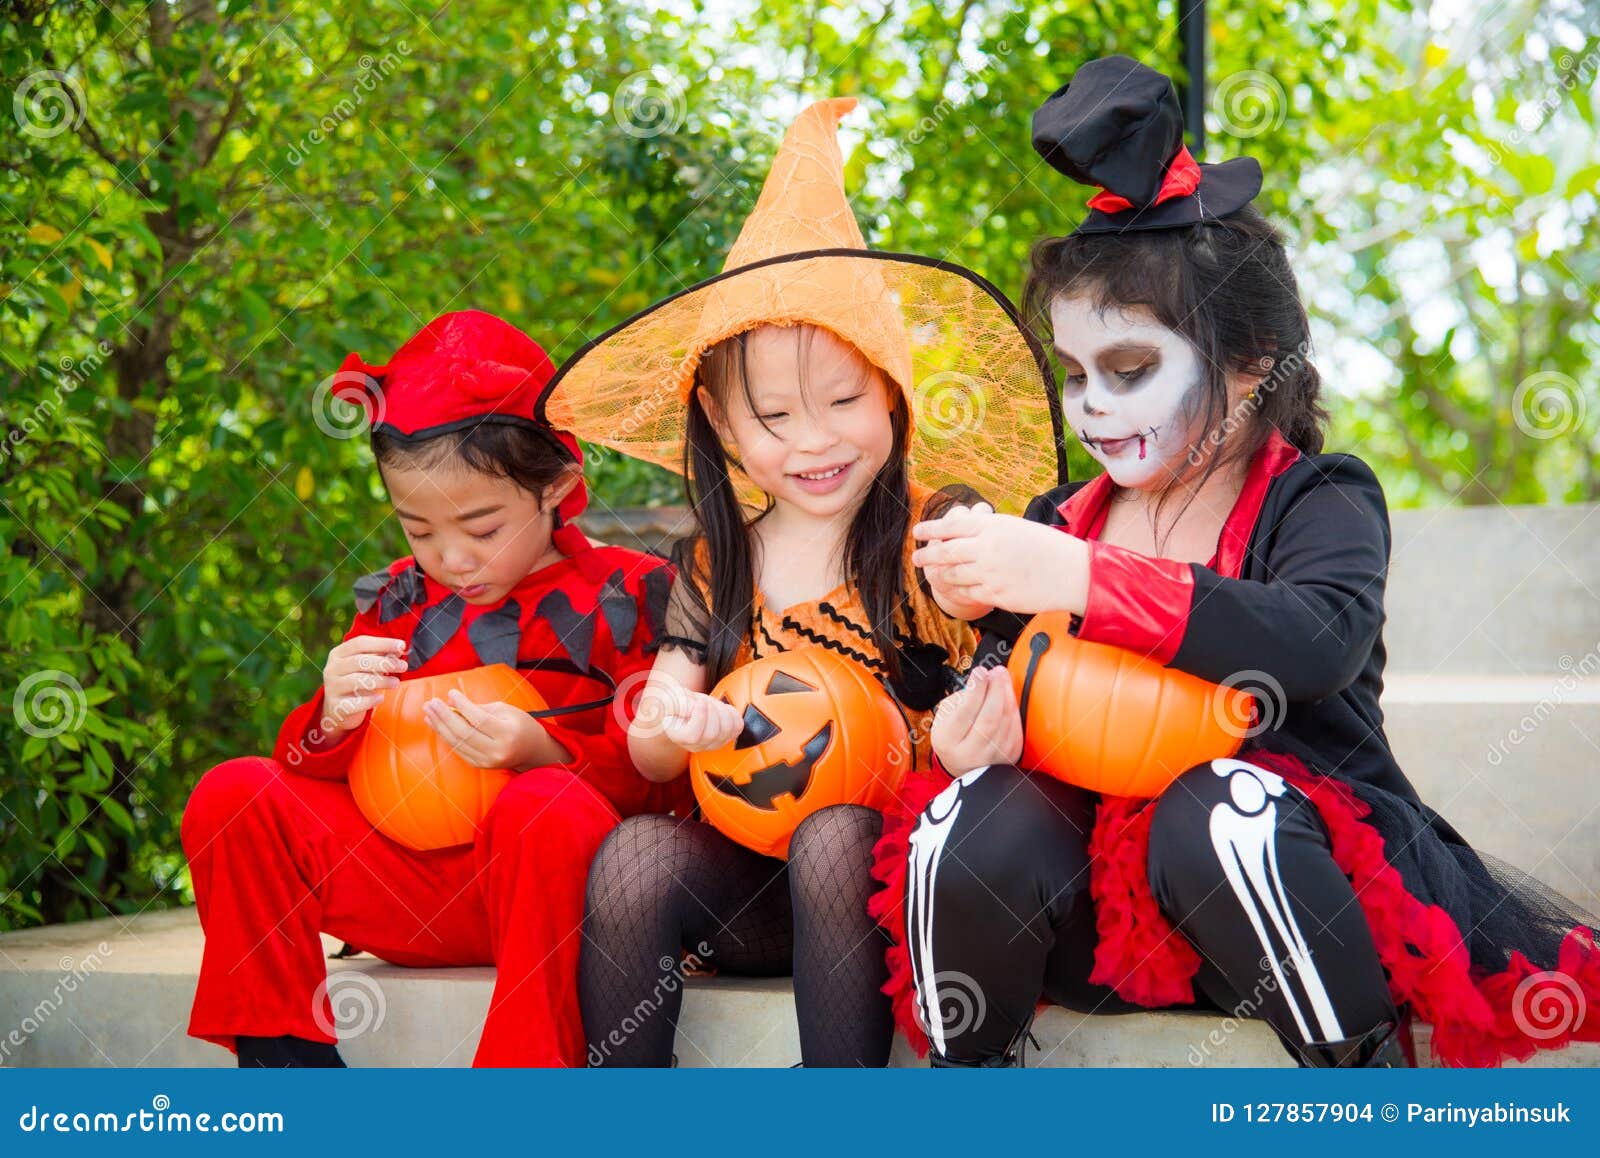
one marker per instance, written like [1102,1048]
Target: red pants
[278,858]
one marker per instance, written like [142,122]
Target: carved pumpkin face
[1113,721]
[409,783]
[818,730]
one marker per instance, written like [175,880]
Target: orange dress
[838,622]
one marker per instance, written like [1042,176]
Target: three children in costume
[806,394]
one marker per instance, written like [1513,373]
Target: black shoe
[1381,1048]
[1013,1057]
[287,1053]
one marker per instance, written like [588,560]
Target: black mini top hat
[1117,125]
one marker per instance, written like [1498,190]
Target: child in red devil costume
[1304,881]
[277,849]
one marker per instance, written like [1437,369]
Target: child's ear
[715,415]
[571,476]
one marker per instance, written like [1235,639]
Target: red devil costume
[1327,897]
[277,848]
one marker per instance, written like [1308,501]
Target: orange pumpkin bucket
[411,784]
[1112,721]
[818,730]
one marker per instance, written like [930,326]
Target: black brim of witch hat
[1224,188]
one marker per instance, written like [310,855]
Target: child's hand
[988,560]
[496,735]
[945,593]
[353,682]
[979,725]
[702,723]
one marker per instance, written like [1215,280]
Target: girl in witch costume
[1305,877]
[277,849]
[820,398]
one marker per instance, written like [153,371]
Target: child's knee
[1181,847]
[223,794]
[541,801]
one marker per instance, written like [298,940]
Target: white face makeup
[1130,390]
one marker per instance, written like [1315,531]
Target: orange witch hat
[977,384]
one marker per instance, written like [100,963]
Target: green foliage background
[225,198]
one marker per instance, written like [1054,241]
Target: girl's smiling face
[473,532]
[815,424]
[1131,390]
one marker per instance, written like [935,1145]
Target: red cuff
[293,750]
[1137,602]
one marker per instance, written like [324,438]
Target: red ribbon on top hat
[1182,179]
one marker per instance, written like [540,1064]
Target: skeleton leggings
[999,915]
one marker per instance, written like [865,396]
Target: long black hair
[874,546]
[1226,286]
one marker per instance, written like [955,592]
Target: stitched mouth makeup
[1116,447]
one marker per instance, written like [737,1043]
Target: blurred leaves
[209,204]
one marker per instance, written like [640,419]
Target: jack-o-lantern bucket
[1113,721]
[818,730]
[411,784]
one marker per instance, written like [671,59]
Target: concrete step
[116,992]
[1513,762]
[1504,589]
